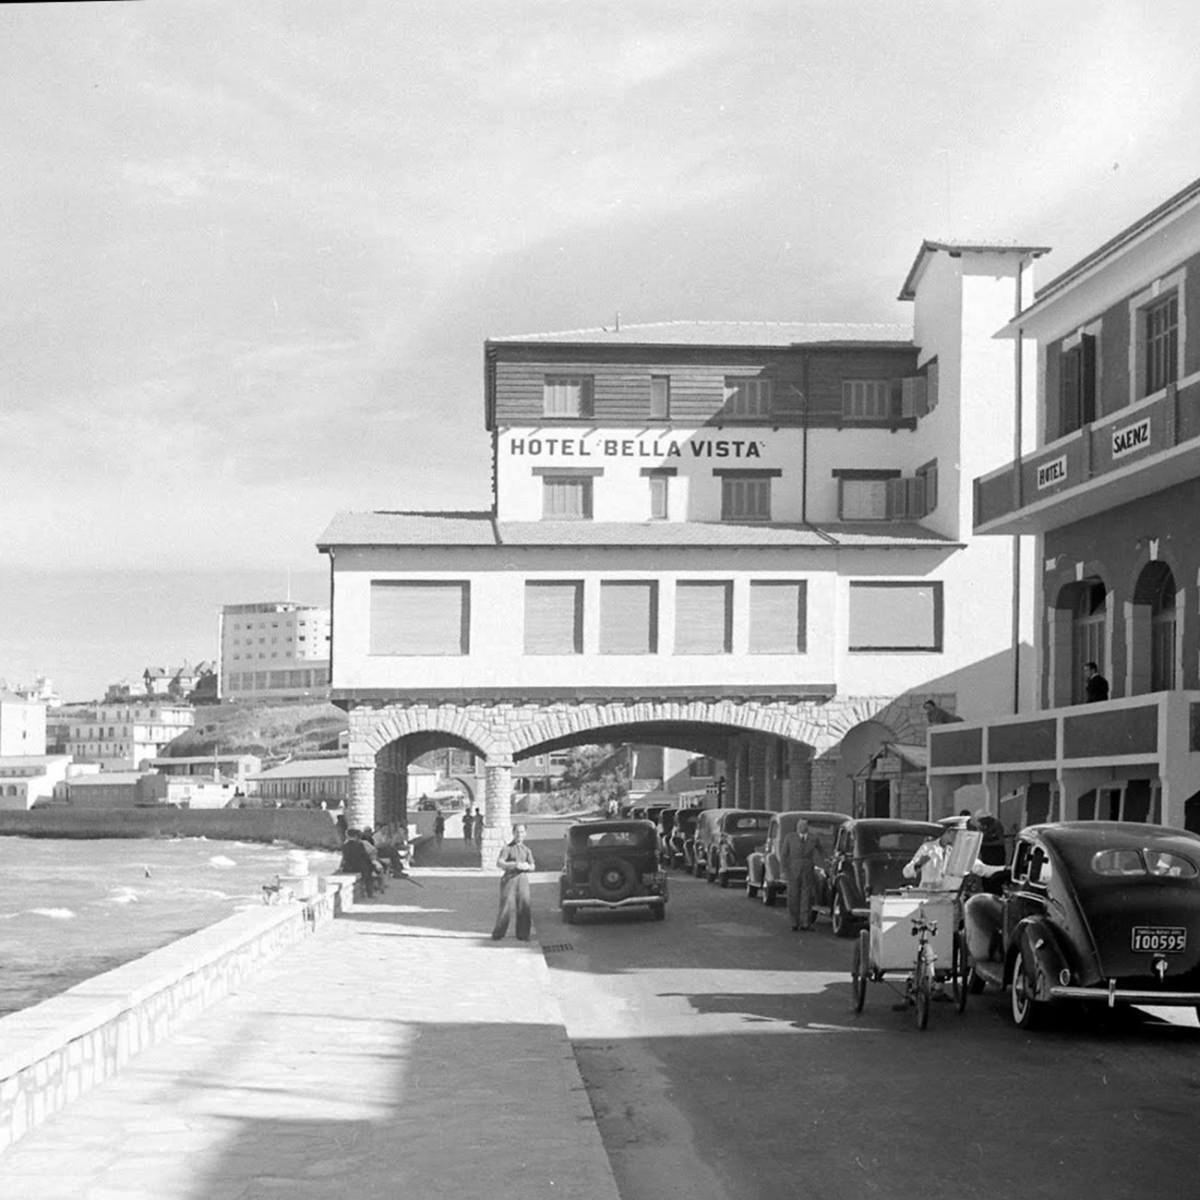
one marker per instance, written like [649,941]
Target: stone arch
[391,724]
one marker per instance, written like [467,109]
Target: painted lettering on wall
[1054,471]
[1129,438]
[651,447]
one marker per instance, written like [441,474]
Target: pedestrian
[935,714]
[1095,688]
[799,856]
[516,861]
[477,826]
[467,826]
[439,828]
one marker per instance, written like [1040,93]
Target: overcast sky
[251,251]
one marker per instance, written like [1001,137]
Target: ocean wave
[58,914]
[219,860]
[122,895]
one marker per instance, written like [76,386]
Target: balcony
[1123,456]
[1154,736]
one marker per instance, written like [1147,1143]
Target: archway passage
[1153,633]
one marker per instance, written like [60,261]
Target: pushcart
[918,932]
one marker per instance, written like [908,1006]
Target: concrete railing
[55,1051]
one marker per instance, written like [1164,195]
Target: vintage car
[612,865]
[681,846]
[869,854]
[724,839]
[764,874]
[1099,912]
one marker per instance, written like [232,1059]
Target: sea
[74,908]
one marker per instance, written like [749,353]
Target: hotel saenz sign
[1129,438]
[1052,472]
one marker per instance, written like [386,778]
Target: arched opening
[866,783]
[1154,601]
[1191,813]
[1086,604]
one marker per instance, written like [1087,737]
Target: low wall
[307,827]
[59,1049]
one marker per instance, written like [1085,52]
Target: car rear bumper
[1116,995]
[628,902]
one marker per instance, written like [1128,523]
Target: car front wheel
[1026,1011]
[768,894]
[843,923]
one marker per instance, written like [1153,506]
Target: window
[1077,385]
[747,396]
[567,396]
[660,397]
[1089,623]
[1161,323]
[866,399]
[658,497]
[628,617]
[778,617]
[1162,634]
[928,474]
[567,498]
[862,499]
[704,618]
[896,616]
[420,618]
[746,496]
[554,617]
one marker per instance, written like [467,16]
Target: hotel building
[275,650]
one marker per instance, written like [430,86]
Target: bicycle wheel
[859,969]
[923,988]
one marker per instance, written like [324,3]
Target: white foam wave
[58,914]
[219,860]
[123,895]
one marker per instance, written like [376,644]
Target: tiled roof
[440,529]
[721,333]
[107,777]
[307,768]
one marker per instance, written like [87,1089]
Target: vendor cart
[917,932]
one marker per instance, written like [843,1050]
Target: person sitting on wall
[392,847]
[358,858]
[935,714]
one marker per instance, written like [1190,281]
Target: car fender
[1039,948]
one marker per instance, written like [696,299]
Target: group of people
[372,856]
[472,825]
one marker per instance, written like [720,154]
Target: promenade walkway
[398,1053]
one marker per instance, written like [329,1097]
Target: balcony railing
[1136,450]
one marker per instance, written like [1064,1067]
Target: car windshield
[749,823]
[1143,860]
[894,841]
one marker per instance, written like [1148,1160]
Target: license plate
[1159,939]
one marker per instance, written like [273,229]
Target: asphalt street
[722,1058]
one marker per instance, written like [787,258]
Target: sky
[251,251]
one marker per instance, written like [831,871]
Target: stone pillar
[497,809]
[360,804]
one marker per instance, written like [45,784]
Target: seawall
[306,827]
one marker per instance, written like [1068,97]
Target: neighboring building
[27,779]
[120,736]
[751,541]
[236,769]
[1107,481]
[116,789]
[22,725]
[180,683]
[274,651]
[304,781]
[41,689]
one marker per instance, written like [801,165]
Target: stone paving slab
[401,1052]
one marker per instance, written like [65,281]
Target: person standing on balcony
[1095,689]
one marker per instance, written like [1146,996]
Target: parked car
[869,854]
[1099,912]
[764,873]
[612,865]
[682,844]
[724,839]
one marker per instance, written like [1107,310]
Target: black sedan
[1100,912]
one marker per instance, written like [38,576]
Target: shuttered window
[778,617]
[864,499]
[554,617]
[660,397]
[747,396]
[567,396]
[658,497]
[628,617]
[704,617]
[567,498]
[896,616]
[746,498]
[420,618]
[866,398]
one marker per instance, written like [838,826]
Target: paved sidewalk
[398,1053]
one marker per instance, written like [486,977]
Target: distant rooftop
[957,250]
[481,529]
[270,606]
[722,333]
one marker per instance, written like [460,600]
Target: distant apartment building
[220,768]
[27,779]
[305,782]
[274,650]
[22,725]
[120,736]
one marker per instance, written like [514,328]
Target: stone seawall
[59,1049]
[307,827]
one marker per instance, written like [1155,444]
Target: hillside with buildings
[268,730]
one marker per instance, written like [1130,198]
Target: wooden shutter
[912,397]
[628,617]
[703,618]
[1087,379]
[420,618]
[553,618]
[778,617]
[896,616]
